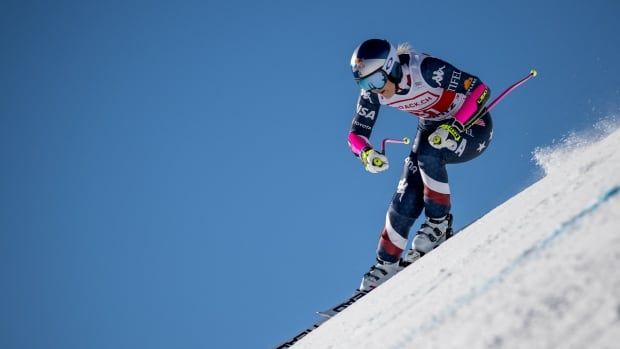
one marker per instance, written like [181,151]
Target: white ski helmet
[372,56]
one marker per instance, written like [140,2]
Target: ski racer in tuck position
[453,127]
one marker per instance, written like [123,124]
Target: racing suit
[437,93]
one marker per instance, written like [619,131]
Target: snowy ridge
[550,158]
[539,271]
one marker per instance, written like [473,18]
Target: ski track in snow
[539,271]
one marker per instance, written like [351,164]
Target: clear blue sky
[176,174]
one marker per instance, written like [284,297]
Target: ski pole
[405,140]
[491,105]
[511,88]
[499,98]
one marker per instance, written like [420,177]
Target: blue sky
[176,174]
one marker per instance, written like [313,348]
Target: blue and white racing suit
[437,93]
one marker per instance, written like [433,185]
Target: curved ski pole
[499,98]
[491,105]
[511,88]
[405,140]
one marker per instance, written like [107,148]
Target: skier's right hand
[374,162]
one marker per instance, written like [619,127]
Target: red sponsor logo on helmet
[359,64]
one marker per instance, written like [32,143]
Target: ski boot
[379,273]
[434,232]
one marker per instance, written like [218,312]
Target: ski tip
[323,314]
[533,72]
[406,140]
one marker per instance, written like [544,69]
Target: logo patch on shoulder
[467,83]
[438,75]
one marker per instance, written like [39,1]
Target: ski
[329,313]
[338,308]
[325,315]
[289,343]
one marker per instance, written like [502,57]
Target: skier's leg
[407,204]
[473,143]
[434,177]
[432,163]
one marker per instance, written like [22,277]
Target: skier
[453,127]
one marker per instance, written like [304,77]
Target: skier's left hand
[446,136]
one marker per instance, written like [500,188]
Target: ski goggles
[374,81]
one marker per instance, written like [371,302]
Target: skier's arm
[473,106]
[361,128]
[363,121]
[439,73]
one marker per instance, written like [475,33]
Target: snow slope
[539,271]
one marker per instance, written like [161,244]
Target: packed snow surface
[541,270]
